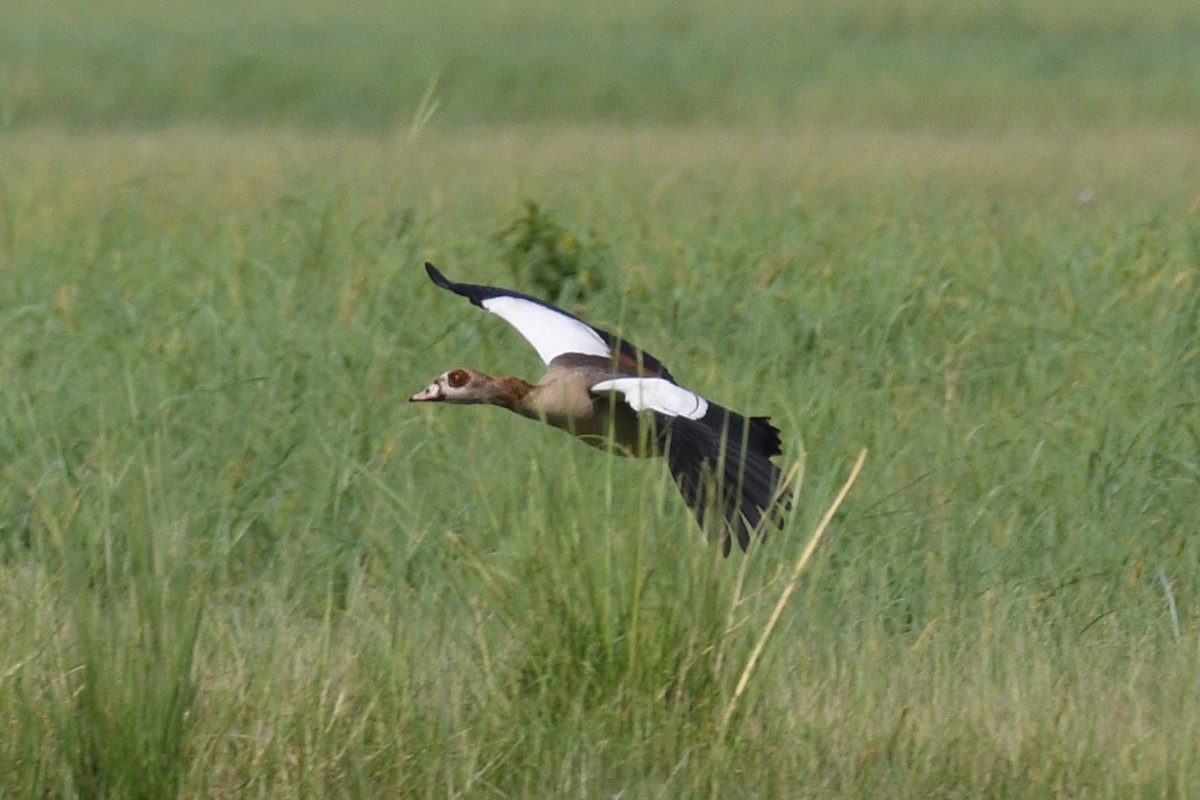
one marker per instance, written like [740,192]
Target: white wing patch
[656,394]
[551,333]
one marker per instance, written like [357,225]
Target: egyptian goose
[597,388]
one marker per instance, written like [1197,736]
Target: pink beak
[431,392]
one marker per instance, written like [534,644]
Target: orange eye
[458,378]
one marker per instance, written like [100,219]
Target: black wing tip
[750,522]
[722,463]
[769,437]
[757,433]
[476,293]
[437,277]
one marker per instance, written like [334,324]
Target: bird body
[614,396]
[563,398]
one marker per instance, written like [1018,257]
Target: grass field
[367,64]
[234,562]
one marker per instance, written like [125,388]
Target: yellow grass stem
[789,590]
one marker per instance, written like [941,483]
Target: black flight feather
[721,463]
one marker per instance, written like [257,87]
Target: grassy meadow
[235,562]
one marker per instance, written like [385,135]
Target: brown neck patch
[511,392]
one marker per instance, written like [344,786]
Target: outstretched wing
[552,331]
[720,460]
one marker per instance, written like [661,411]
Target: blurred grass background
[234,562]
[366,65]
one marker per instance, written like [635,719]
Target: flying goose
[616,397]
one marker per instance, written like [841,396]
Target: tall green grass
[234,561]
[368,65]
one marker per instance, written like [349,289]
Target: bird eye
[458,378]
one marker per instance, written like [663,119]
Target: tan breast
[563,398]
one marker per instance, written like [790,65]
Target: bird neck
[512,393]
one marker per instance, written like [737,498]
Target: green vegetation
[207,342]
[550,260]
[367,64]
[235,562]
